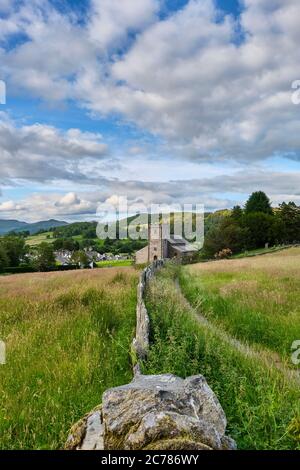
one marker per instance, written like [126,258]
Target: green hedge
[30,269]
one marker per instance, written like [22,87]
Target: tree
[289,217]
[14,247]
[259,229]
[258,202]
[45,258]
[70,244]
[4,260]
[80,258]
[228,234]
[237,213]
[58,244]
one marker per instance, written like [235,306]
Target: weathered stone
[140,344]
[177,444]
[168,425]
[87,434]
[155,408]
[141,340]
[93,439]
[228,443]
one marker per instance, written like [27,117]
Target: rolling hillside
[7,226]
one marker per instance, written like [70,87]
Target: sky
[158,101]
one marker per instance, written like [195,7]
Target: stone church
[162,246]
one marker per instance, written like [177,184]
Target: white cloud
[9,206]
[112,20]
[41,152]
[188,78]
[69,200]
[212,94]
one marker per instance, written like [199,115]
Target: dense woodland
[251,227]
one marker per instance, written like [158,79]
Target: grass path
[267,357]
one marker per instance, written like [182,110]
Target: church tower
[155,247]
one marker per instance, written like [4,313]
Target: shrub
[224,254]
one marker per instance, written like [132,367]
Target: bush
[224,254]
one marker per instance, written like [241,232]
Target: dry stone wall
[153,412]
[141,341]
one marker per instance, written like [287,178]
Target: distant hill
[7,226]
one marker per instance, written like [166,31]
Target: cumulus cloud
[68,200]
[280,186]
[43,153]
[9,206]
[112,21]
[48,205]
[214,88]
[191,77]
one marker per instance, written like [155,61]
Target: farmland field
[234,321]
[68,338]
[114,263]
[34,240]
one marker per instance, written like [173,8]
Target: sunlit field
[34,240]
[234,321]
[68,338]
[256,299]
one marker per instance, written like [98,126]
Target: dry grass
[55,282]
[280,263]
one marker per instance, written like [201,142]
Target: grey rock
[153,408]
[228,443]
[93,439]
[167,425]
[87,434]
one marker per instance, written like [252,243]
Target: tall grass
[257,300]
[262,408]
[68,339]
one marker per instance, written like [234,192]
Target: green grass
[262,407]
[34,240]
[115,263]
[68,339]
[259,251]
[256,300]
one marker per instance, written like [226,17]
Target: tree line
[14,255]
[254,226]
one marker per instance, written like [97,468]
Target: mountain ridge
[12,225]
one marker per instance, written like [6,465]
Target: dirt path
[270,360]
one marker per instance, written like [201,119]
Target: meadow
[114,263]
[34,240]
[260,399]
[68,337]
[255,299]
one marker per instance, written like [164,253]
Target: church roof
[181,245]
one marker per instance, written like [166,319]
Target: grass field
[34,240]
[68,338]
[261,401]
[255,299]
[115,263]
[260,251]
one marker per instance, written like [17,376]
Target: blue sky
[159,101]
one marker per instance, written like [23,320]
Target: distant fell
[7,226]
